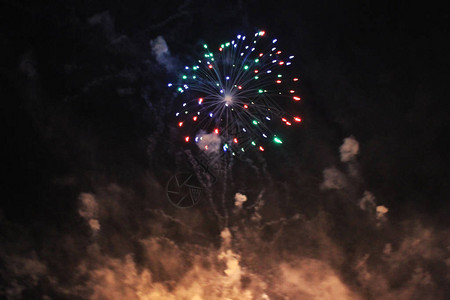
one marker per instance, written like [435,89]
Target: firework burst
[237,93]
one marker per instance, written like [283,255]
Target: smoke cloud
[160,50]
[349,149]
[333,179]
[89,211]
[239,200]
[209,142]
[318,231]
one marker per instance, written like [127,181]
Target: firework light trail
[235,93]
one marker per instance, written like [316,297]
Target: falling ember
[277,140]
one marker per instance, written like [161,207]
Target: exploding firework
[237,93]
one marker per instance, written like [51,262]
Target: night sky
[353,205]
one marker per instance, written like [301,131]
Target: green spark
[277,140]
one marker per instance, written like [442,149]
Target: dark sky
[90,145]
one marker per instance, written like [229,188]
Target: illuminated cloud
[333,179]
[161,52]
[89,211]
[349,149]
[381,212]
[209,142]
[312,279]
[239,200]
[367,202]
